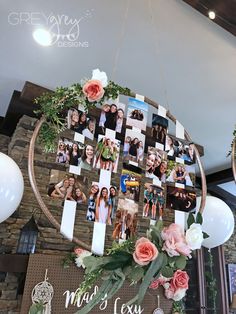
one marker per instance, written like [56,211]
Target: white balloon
[11,186]
[218,221]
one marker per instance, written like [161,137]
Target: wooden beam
[14,263]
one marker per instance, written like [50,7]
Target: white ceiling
[162,49]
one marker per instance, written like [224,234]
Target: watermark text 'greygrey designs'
[64,30]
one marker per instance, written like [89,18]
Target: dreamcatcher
[41,296]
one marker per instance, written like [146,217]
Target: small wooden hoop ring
[233,159]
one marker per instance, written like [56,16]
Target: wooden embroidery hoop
[45,209]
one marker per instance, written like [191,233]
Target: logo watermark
[64,30]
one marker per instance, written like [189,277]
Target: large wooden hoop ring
[43,206]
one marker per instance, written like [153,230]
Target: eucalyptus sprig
[54,105]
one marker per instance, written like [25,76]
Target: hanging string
[121,40]
[157,52]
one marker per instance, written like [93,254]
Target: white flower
[100,76]
[79,259]
[179,294]
[194,236]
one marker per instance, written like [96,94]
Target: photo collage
[106,159]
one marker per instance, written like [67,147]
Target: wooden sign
[66,281]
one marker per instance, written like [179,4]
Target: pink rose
[180,279]
[93,90]
[175,243]
[78,251]
[169,292]
[158,282]
[145,251]
[173,230]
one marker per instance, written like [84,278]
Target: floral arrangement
[156,260]
[52,106]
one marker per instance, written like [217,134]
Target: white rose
[194,236]
[100,76]
[179,294]
[79,259]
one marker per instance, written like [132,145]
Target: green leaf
[118,260]
[167,271]
[190,220]
[136,273]
[180,262]
[127,270]
[154,267]
[205,235]
[199,219]
[92,263]
[36,308]
[159,225]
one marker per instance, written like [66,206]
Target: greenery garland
[54,105]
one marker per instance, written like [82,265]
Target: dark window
[28,238]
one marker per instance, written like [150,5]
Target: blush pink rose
[169,291]
[158,282]
[172,231]
[180,280]
[175,243]
[145,252]
[93,90]
[78,251]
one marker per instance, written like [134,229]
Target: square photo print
[107,153]
[137,112]
[176,148]
[64,186]
[80,122]
[179,173]
[111,117]
[133,150]
[159,129]
[156,164]
[102,203]
[154,201]
[69,152]
[181,199]
[130,182]
[126,220]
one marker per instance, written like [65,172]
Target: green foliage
[205,235]
[127,246]
[180,262]
[211,283]
[136,273]
[36,308]
[153,270]
[68,260]
[54,105]
[199,219]
[178,307]
[167,271]
[190,219]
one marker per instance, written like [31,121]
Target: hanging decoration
[42,295]
[155,174]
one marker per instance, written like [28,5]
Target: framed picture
[231,269]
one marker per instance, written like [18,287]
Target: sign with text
[66,281]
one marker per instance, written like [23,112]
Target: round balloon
[11,186]
[218,221]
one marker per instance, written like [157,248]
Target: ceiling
[225,11]
[163,49]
